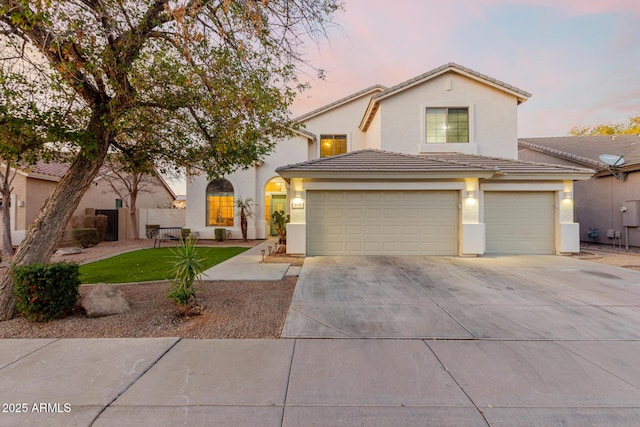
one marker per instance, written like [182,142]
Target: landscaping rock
[105,300]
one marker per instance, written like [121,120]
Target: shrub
[85,237]
[186,232]
[220,234]
[280,221]
[185,270]
[99,222]
[45,291]
[83,221]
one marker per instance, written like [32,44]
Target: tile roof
[363,92]
[385,161]
[55,170]
[505,165]
[586,150]
[375,161]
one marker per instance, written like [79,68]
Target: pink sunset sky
[580,59]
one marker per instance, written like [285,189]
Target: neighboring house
[180,202]
[608,202]
[425,167]
[33,185]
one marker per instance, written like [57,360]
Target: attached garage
[519,223]
[373,202]
[382,222]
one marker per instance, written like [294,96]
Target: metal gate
[111,235]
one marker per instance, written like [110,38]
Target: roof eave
[385,175]
[546,176]
[520,96]
[340,102]
[369,114]
[44,177]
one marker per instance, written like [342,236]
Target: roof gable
[518,93]
[365,92]
[459,69]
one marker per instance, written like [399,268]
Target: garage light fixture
[469,194]
[566,195]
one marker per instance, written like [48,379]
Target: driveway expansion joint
[134,380]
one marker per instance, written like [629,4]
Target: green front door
[278,203]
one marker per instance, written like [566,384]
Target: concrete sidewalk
[307,382]
[248,266]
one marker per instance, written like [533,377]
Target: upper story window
[331,145]
[220,203]
[447,125]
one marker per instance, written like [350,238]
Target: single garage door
[382,222]
[518,222]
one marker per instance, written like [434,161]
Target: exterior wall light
[297,202]
[469,194]
[566,195]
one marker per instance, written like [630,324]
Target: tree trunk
[243,225]
[7,181]
[7,245]
[133,216]
[47,230]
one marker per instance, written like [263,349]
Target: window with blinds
[331,145]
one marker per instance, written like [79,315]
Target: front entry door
[278,203]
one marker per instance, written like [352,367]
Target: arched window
[220,203]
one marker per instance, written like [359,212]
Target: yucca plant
[186,269]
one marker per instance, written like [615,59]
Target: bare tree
[128,185]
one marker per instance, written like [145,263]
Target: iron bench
[166,233]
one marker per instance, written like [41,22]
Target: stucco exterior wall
[163,217]
[37,192]
[343,120]
[32,193]
[100,195]
[492,116]
[598,202]
[250,183]
[19,195]
[373,135]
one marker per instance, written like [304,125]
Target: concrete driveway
[520,298]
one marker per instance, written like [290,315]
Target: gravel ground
[233,309]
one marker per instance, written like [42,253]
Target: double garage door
[424,222]
[382,222]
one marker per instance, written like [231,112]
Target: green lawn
[146,265]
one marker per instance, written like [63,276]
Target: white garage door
[382,222]
[518,222]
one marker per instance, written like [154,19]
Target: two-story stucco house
[426,167]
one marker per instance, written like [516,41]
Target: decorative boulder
[105,300]
[68,251]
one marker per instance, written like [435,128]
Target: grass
[147,265]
